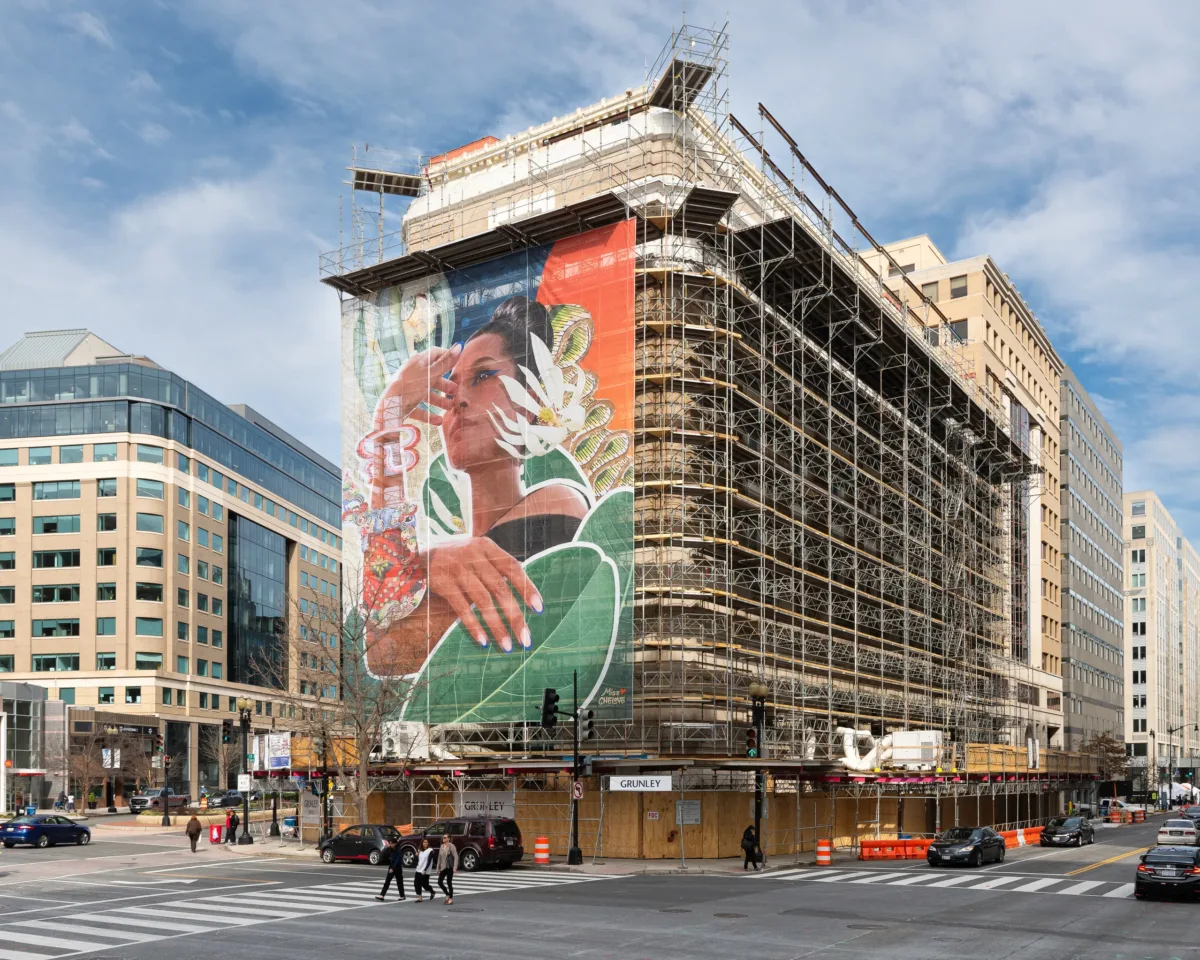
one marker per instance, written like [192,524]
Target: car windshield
[1180,825]
[959,835]
[506,828]
[1192,811]
[1170,855]
[1069,823]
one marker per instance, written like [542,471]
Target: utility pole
[574,854]
[758,708]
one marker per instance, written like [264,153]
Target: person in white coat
[424,866]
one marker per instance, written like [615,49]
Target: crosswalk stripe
[156,911]
[20,936]
[876,877]
[914,878]
[1124,890]
[240,901]
[1078,888]
[21,955]
[1037,885]
[129,936]
[113,920]
[835,877]
[278,911]
[1006,884]
[997,882]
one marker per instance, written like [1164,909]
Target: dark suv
[372,842]
[481,841]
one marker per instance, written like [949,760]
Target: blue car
[44,830]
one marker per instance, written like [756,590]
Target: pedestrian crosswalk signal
[549,708]
[158,743]
[587,725]
[752,743]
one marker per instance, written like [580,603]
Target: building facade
[1162,638]
[1001,345]
[32,746]
[151,542]
[1093,569]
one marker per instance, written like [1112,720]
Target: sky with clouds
[169,172]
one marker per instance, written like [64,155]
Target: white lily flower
[551,398]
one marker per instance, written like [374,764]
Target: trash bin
[215,832]
[30,810]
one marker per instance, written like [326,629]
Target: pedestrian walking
[70,803]
[750,848]
[61,802]
[447,861]
[193,830]
[395,869]
[421,875]
[234,820]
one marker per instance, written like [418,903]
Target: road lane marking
[37,940]
[155,911]
[1124,890]
[1101,863]
[998,882]
[1079,888]
[115,918]
[127,935]
[1036,885]
[952,881]
[875,878]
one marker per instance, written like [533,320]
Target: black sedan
[1170,870]
[45,830]
[231,798]
[1192,812]
[1068,832]
[371,842]
[970,845]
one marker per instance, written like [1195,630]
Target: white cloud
[90,25]
[154,134]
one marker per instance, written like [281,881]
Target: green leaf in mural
[438,482]
[555,465]
[464,683]
[610,527]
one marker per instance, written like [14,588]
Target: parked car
[1179,832]
[44,830]
[970,845]
[481,841]
[371,842]
[1064,831]
[152,800]
[231,798]
[1192,812]
[1174,870]
[1108,804]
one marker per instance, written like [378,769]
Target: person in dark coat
[234,820]
[193,831]
[395,869]
[750,848]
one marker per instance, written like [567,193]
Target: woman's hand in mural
[475,573]
[420,380]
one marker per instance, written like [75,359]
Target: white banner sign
[110,759]
[482,803]
[279,751]
[245,782]
[641,784]
[687,813]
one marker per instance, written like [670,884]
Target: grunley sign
[641,784]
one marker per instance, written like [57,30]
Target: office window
[8,458]
[269,506]
[244,494]
[133,694]
[149,523]
[55,662]
[303,579]
[55,593]
[151,592]
[106,626]
[201,537]
[8,492]
[150,489]
[7,663]
[1138,532]
[323,535]
[104,452]
[182,463]
[71,454]
[67,695]
[217,641]
[106,557]
[63,523]
[202,668]
[202,602]
[106,661]
[325,588]
[181,630]
[56,490]
[8,561]
[181,698]
[183,497]
[1139,556]
[149,557]
[106,487]
[181,665]
[231,486]
[39,456]
[8,629]
[218,480]
[8,527]
[148,454]
[181,597]
[218,512]
[218,607]
[204,701]
[333,590]
[202,569]
[202,505]
[201,634]
[233,704]
[182,563]
[183,531]
[332,565]
[218,543]
[56,628]
[166,696]
[147,661]
[303,605]
[9,594]
[106,696]
[1137,508]
[106,591]
[106,522]
[218,574]
[218,671]
[258,501]
[149,627]
[303,552]
[958,287]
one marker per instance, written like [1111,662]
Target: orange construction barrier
[541,850]
[916,849]
[825,853]
[1139,816]
[1115,816]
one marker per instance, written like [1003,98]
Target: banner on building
[487,485]
[279,751]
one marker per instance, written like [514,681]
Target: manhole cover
[674,910]
[866,926]
[730,915]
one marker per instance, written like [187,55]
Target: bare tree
[1111,757]
[228,756]
[97,754]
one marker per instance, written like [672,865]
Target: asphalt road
[152,898]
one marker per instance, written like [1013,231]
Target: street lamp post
[244,706]
[109,791]
[758,707]
[1171,760]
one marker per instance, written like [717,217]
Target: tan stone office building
[152,543]
[1002,346]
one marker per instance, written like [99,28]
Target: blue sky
[169,172]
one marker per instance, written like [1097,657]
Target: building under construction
[825,504]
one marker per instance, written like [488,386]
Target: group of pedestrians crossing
[446,857]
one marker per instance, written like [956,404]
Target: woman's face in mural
[469,434]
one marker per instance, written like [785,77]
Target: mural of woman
[493,410]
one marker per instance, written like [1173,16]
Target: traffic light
[549,708]
[752,743]
[158,743]
[587,725]
[226,731]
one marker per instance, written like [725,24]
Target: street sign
[577,790]
[687,813]
[641,784]
[245,783]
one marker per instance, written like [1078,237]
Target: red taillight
[491,843]
[1195,871]
[1142,868]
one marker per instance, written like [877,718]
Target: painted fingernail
[526,639]
[506,644]
[536,600]
[481,639]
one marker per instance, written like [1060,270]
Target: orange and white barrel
[541,850]
[824,853]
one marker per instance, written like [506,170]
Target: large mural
[487,505]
